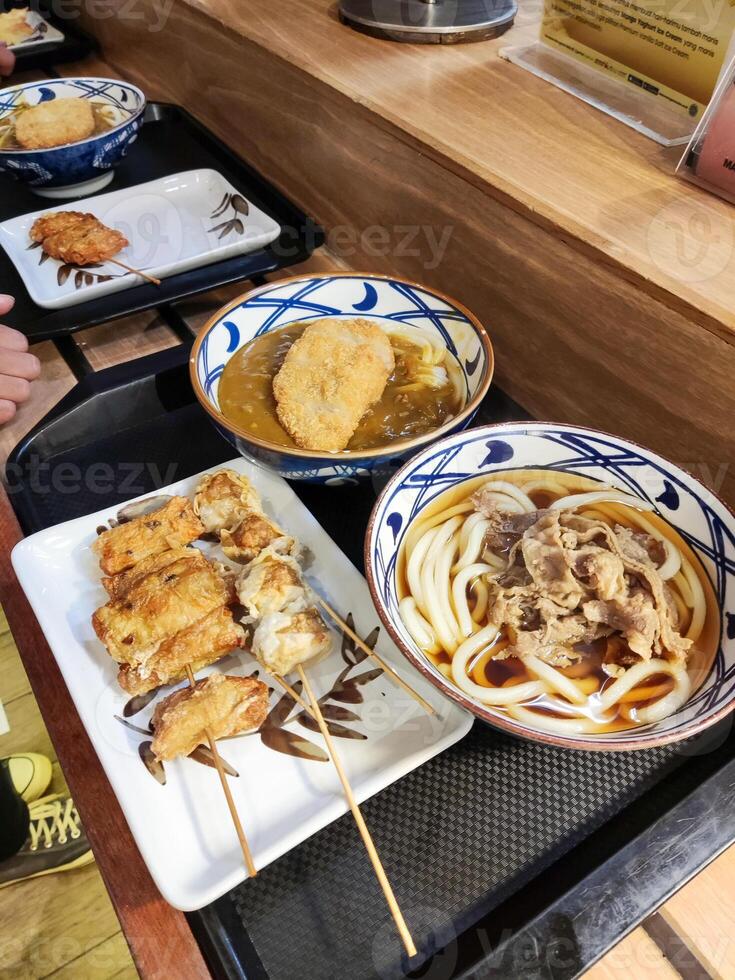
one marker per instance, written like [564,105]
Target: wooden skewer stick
[376,657]
[136,272]
[297,697]
[359,820]
[249,863]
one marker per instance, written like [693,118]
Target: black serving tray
[77,44]
[170,141]
[510,859]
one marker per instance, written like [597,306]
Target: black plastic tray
[75,45]
[170,141]
[509,859]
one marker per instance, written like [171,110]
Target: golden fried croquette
[173,525]
[55,123]
[14,26]
[208,640]
[52,224]
[85,243]
[220,704]
[330,377]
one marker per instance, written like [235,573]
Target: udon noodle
[559,601]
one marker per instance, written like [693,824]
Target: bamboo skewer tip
[136,272]
[367,840]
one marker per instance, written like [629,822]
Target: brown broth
[104,121]
[246,395]
[496,673]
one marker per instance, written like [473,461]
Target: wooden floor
[62,925]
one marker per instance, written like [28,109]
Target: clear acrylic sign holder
[636,108]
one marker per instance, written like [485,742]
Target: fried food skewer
[230,506]
[360,821]
[79,238]
[244,846]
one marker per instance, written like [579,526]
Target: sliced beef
[505,529]
[571,580]
[547,561]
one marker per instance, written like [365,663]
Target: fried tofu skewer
[159,592]
[244,846]
[81,239]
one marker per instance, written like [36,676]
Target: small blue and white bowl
[342,295]
[699,516]
[74,169]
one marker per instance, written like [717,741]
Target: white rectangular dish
[183,828]
[44,34]
[173,224]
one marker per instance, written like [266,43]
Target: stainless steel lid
[422,22]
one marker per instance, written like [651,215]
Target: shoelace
[53,820]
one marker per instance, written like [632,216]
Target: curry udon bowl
[419,559]
[81,167]
[392,304]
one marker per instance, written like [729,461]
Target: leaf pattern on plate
[134,728]
[138,702]
[83,274]
[154,767]
[240,206]
[273,733]
[203,754]
[345,688]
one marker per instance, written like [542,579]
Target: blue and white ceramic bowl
[343,295]
[706,524]
[77,168]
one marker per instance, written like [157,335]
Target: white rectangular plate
[44,34]
[183,829]
[173,224]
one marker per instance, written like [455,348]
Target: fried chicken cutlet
[329,379]
[173,525]
[55,222]
[54,123]
[222,704]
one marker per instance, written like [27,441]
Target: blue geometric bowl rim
[46,82]
[394,449]
[646,741]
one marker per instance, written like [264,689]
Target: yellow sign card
[672,49]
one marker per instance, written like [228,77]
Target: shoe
[31,774]
[56,842]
